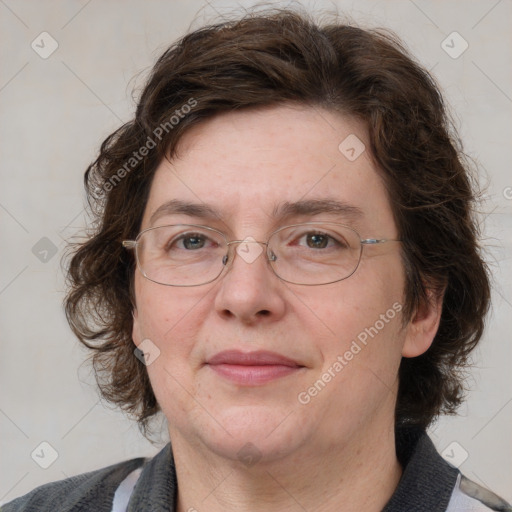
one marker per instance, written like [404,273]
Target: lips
[259,358]
[252,368]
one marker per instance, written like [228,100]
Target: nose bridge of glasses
[246,252]
[248,240]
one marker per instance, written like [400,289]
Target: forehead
[250,166]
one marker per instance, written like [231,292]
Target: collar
[427,480]
[426,484]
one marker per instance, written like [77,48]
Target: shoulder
[88,491]
[430,483]
[469,496]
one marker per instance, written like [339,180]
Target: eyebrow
[316,207]
[280,211]
[177,206]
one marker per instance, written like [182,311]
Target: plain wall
[55,113]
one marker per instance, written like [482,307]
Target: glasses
[312,253]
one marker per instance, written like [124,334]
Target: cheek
[169,317]
[362,314]
[380,281]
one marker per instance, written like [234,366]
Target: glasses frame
[134,244]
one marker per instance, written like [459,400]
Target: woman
[286,265]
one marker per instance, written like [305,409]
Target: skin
[338,450]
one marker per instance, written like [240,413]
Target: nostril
[227,313]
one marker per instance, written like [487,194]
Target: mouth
[252,368]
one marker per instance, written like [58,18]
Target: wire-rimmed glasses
[312,253]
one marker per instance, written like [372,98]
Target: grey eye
[193,242]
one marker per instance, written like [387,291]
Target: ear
[136,338]
[423,325]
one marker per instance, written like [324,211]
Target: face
[334,349]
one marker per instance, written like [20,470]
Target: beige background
[55,113]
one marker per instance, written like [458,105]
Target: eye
[191,241]
[320,240]
[179,242]
[317,241]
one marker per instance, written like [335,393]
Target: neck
[360,475]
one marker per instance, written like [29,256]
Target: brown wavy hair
[269,58]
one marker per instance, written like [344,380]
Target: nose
[249,290]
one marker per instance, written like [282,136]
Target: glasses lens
[181,255]
[315,253]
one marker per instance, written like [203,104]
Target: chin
[252,432]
